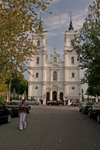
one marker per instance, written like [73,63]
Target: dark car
[75,103]
[95,111]
[14,108]
[85,106]
[55,102]
[5,114]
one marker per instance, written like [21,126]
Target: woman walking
[22,114]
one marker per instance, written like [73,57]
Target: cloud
[78,19]
[60,22]
[56,22]
[54,33]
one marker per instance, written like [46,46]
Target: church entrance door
[54,95]
[61,96]
[48,96]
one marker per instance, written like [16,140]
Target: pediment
[55,66]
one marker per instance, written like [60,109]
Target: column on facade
[44,93]
[50,94]
[58,96]
[80,86]
[44,73]
[50,82]
[51,75]
[44,66]
[58,77]
[65,82]
[30,87]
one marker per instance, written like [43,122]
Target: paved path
[52,128]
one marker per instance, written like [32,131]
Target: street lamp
[79,97]
[65,100]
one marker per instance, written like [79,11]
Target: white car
[32,102]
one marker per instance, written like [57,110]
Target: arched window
[73,75]
[54,59]
[38,43]
[71,42]
[37,75]
[72,60]
[37,60]
[54,75]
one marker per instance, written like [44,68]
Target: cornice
[72,67]
[54,82]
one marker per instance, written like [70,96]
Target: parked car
[75,103]
[81,102]
[94,111]
[14,108]
[5,114]
[85,105]
[55,102]
[32,102]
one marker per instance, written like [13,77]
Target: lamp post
[65,100]
[44,99]
[79,97]
[38,98]
[96,98]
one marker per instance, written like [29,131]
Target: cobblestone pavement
[52,128]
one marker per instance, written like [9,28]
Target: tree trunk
[9,90]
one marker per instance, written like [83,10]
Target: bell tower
[38,65]
[72,74]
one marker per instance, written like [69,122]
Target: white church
[55,79]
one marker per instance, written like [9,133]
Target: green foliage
[13,103]
[93,90]
[18,84]
[18,22]
[82,95]
[88,46]
[32,97]
[25,96]
[3,88]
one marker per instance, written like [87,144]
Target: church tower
[38,66]
[72,76]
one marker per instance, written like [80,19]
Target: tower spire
[71,25]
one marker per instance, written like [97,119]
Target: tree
[18,21]
[88,45]
[19,84]
[82,95]
[3,88]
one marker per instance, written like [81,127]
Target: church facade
[55,79]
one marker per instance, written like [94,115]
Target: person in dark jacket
[22,114]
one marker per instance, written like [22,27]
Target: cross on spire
[71,25]
[54,49]
[70,16]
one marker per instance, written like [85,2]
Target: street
[52,128]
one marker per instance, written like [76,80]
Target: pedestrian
[22,115]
